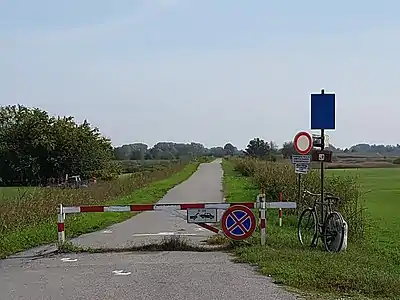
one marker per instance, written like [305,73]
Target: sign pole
[323,115]
[322,168]
[299,186]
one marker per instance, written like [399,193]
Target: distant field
[350,161]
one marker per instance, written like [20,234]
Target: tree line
[171,150]
[256,147]
[36,147]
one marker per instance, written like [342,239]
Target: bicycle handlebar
[311,194]
[316,195]
[329,196]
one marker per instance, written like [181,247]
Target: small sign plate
[301,168]
[202,215]
[301,159]
[322,155]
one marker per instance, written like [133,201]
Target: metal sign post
[323,117]
[303,144]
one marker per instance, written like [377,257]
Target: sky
[206,71]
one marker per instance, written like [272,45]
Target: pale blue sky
[207,71]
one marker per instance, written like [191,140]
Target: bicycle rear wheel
[307,228]
[333,234]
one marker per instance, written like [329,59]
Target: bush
[276,177]
[397,161]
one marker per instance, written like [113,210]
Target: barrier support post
[280,209]
[263,223]
[60,226]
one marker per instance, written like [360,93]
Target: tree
[258,148]
[288,149]
[274,147]
[35,147]
[230,149]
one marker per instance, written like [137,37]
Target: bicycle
[330,230]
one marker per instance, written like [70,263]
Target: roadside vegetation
[41,159]
[369,269]
[28,216]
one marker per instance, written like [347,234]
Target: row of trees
[171,150]
[35,147]
[257,147]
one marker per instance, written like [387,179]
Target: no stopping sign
[238,222]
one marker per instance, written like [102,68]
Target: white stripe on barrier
[167,207]
[218,205]
[71,209]
[117,208]
[281,204]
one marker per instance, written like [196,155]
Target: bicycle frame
[328,199]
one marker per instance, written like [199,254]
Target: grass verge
[365,271]
[46,232]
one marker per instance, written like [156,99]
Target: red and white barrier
[259,204]
[150,207]
[141,207]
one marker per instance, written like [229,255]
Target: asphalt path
[141,275]
[150,227]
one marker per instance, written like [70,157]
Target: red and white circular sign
[303,142]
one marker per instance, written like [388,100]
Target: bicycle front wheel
[333,234]
[307,228]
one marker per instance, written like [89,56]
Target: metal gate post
[263,222]
[60,226]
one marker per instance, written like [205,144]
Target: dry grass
[28,216]
[341,161]
[21,207]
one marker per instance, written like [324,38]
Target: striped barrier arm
[262,205]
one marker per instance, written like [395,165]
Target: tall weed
[27,206]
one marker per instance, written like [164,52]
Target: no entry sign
[238,222]
[303,142]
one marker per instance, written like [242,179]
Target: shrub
[397,161]
[276,177]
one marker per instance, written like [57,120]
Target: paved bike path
[141,275]
[149,227]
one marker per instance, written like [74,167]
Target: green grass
[368,270]
[8,193]
[46,232]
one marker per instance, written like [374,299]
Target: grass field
[367,270]
[28,215]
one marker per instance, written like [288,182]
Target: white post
[60,226]
[263,222]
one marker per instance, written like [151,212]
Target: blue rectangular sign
[323,111]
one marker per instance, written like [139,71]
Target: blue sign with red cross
[238,222]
